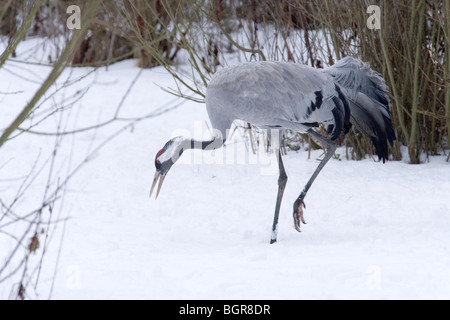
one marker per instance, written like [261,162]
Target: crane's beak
[161,177]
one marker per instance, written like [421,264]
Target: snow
[374,231]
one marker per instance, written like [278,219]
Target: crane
[283,95]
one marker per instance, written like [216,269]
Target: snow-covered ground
[374,231]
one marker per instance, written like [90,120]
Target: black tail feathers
[367,118]
[368,101]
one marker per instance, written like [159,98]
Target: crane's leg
[299,203]
[282,179]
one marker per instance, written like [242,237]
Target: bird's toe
[298,214]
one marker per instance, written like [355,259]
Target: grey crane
[282,95]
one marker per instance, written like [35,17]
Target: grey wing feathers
[367,96]
[368,119]
[357,76]
[294,96]
[271,94]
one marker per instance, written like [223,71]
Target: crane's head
[164,160]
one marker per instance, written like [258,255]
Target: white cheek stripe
[170,152]
[166,155]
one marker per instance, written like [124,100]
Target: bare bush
[29,232]
[410,51]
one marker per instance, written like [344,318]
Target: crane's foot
[298,213]
[273,238]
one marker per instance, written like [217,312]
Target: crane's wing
[368,99]
[278,94]
[357,76]
[294,96]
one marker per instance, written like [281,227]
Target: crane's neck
[185,144]
[214,143]
[211,144]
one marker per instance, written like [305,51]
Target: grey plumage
[367,95]
[285,95]
[270,95]
[281,95]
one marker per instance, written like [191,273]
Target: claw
[298,214]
